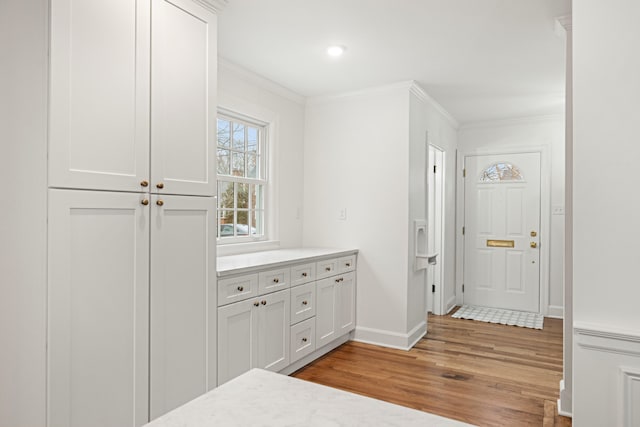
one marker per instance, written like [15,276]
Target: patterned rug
[524,319]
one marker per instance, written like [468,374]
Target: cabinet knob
[145,202]
[304,340]
[304,274]
[276,280]
[240,288]
[160,202]
[304,303]
[159,185]
[348,264]
[327,269]
[263,302]
[144,183]
[256,303]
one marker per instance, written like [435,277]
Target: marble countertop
[243,263]
[262,398]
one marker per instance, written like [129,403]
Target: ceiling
[480,59]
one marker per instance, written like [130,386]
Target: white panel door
[98,309]
[99,94]
[274,331]
[237,339]
[346,300]
[183,102]
[183,300]
[502,226]
[326,306]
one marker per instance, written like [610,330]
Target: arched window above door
[500,172]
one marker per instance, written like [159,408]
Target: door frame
[545,214]
[437,297]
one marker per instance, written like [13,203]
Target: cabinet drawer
[303,339]
[237,288]
[273,280]
[303,273]
[326,268]
[347,263]
[303,302]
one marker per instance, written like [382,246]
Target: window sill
[243,248]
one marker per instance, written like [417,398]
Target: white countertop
[234,264]
[262,398]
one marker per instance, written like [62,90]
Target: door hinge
[434,168]
[433,288]
[463,230]
[463,288]
[464,173]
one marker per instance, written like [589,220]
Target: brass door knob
[159,202]
[144,183]
[533,245]
[534,234]
[160,185]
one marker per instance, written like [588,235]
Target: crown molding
[422,95]
[260,81]
[564,24]
[512,121]
[323,99]
[215,6]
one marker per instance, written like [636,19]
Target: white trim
[556,311]
[606,339]
[325,99]
[513,121]
[422,95]
[257,80]
[215,6]
[391,339]
[564,402]
[316,354]
[628,376]
[564,24]
[545,216]
[450,304]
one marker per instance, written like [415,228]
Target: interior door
[502,225]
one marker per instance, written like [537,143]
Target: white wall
[247,93]
[527,133]
[356,158]
[23,232]
[427,117]
[606,203]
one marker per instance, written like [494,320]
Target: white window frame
[262,179]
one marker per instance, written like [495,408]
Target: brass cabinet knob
[304,303]
[144,183]
[256,303]
[145,202]
[533,245]
[276,280]
[160,202]
[304,340]
[304,274]
[263,302]
[240,288]
[159,185]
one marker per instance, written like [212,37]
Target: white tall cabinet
[132,288]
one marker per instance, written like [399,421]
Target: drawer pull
[240,288]
[304,303]
[340,280]
[304,274]
[144,183]
[276,280]
[256,303]
[304,340]
[160,202]
[145,202]
[327,269]
[160,185]
[263,302]
[348,264]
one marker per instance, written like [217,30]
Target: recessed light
[335,50]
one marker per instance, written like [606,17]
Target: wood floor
[480,373]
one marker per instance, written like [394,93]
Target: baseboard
[450,305]
[316,354]
[555,311]
[391,339]
[564,403]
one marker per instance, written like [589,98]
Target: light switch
[342,214]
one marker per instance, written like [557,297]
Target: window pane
[257,223]
[238,136]
[223,161]
[252,165]
[501,172]
[225,195]
[252,139]
[257,197]
[237,164]
[223,133]
[242,227]
[225,224]
[243,196]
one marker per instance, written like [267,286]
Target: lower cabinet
[253,333]
[335,311]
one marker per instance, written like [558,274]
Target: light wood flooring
[480,373]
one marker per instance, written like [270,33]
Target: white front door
[502,231]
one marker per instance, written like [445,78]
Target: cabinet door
[237,339]
[183,300]
[183,101]
[274,331]
[98,309]
[326,315]
[99,94]
[346,299]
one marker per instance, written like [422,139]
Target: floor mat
[524,319]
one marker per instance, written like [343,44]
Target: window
[501,172]
[242,180]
